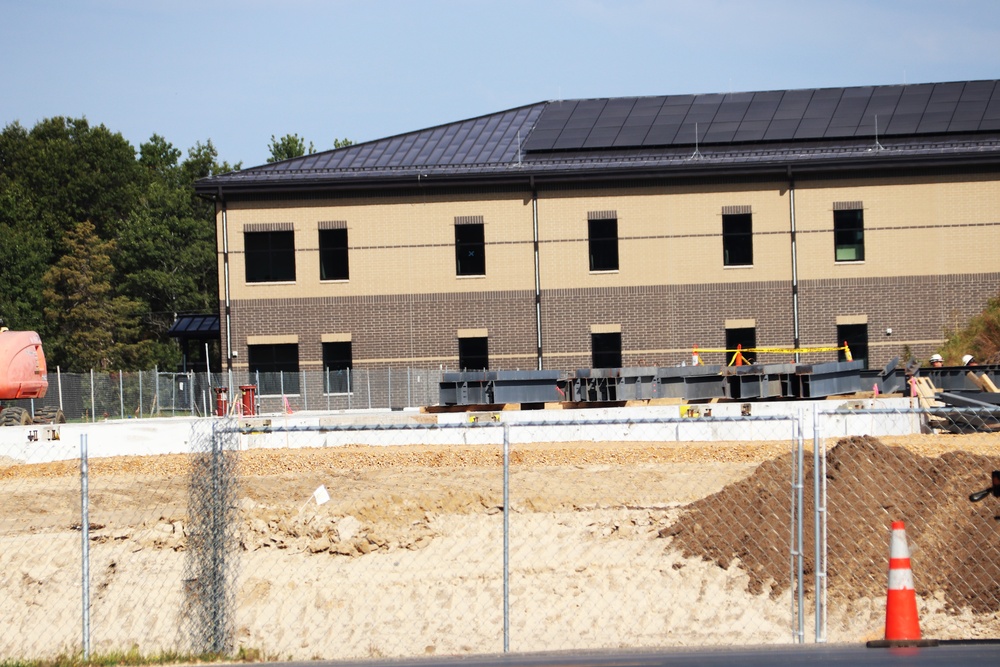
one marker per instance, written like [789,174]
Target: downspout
[225,277]
[795,263]
[538,279]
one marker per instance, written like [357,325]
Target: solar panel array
[782,115]
[488,139]
[796,124]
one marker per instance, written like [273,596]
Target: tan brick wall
[395,246]
[928,267]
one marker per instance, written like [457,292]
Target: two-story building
[622,232]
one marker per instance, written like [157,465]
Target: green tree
[166,250]
[93,327]
[24,255]
[292,146]
[288,147]
[155,233]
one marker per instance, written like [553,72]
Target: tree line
[101,245]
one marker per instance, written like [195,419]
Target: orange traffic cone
[902,628]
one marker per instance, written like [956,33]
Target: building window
[270,256]
[849,235]
[473,354]
[606,350]
[744,338]
[737,239]
[338,364]
[603,238]
[856,338]
[333,254]
[470,247]
[276,366]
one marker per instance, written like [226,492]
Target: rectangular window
[856,337]
[333,254]
[470,249]
[737,240]
[603,239]
[741,339]
[473,354]
[606,350]
[849,235]
[269,256]
[338,363]
[277,366]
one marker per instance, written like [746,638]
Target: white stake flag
[320,495]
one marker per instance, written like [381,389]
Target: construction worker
[969,360]
[937,361]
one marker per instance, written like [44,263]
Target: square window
[269,256]
[338,362]
[333,254]
[470,250]
[737,240]
[849,235]
[473,354]
[603,241]
[276,366]
[606,350]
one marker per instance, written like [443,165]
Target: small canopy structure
[197,327]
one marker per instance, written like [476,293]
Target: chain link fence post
[213,538]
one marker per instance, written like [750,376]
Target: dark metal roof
[195,326]
[674,133]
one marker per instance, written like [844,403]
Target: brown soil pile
[954,543]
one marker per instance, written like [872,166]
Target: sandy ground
[407,556]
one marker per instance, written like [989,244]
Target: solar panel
[763,107]
[720,132]
[751,130]
[631,136]
[661,135]
[793,105]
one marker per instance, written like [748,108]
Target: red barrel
[249,399]
[221,402]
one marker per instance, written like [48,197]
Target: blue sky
[238,72]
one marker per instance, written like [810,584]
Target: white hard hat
[966,359]
[937,357]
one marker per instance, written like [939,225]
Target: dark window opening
[269,256]
[741,339]
[338,362]
[606,349]
[603,236]
[856,337]
[333,254]
[737,240]
[277,367]
[849,235]
[473,354]
[470,250]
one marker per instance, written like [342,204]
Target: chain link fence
[100,396]
[402,535]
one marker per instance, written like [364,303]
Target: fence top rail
[250,429]
[935,410]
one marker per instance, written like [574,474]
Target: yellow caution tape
[791,350]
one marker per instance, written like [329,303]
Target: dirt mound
[954,544]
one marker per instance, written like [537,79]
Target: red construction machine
[23,375]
